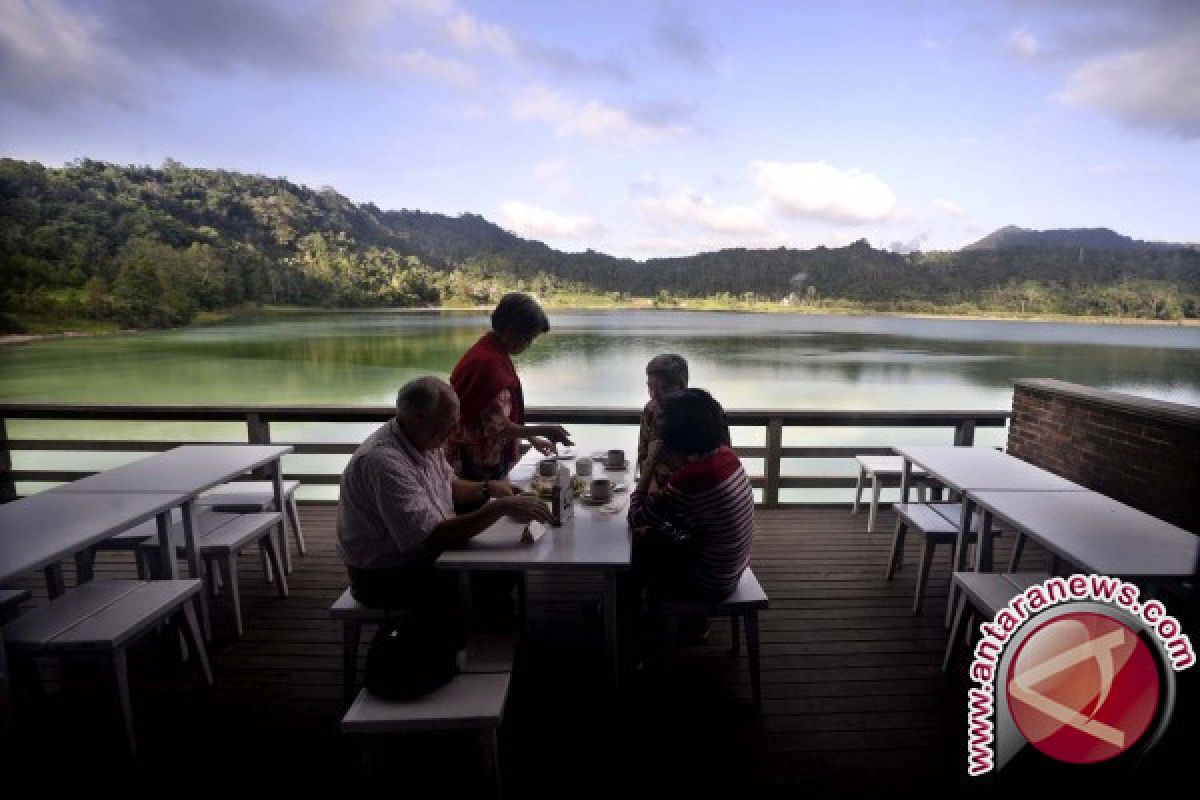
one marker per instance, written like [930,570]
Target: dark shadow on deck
[854,700]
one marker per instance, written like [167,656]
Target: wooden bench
[221,538]
[880,469]
[742,606]
[99,619]
[937,524]
[353,616]
[245,497]
[473,700]
[986,593]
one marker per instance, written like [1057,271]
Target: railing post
[773,462]
[964,433]
[258,431]
[8,487]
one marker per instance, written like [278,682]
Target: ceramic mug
[548,467]
[602,490]
[583,467]
[615,459]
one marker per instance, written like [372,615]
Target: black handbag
[410,656]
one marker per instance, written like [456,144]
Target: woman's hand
[543,446]
[555,433]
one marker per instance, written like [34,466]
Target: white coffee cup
[615,459]
[583,467]
[602,490]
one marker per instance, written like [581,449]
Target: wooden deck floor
[854,701]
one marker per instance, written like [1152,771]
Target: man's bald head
[427,408]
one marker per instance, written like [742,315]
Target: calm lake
[595,359]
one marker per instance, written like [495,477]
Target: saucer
[588,500]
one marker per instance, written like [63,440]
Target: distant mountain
[1010,236]
[152,246]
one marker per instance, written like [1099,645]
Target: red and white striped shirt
[714,500]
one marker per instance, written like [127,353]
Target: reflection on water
[596,359]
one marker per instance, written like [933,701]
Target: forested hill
[149,246]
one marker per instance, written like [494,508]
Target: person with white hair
[396,508]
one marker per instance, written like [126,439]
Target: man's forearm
[457,530]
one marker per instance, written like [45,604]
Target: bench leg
[351,633]
[1018,547]
[285,550]
[293,515]
[489,746]
[896,557]
[876,486]
[735,634]
[610,627]
[85,566]
[751,619]
[956,631]
[191,630]
[120,672]
[229,565]
[927,549]
[276,564]
[858,487]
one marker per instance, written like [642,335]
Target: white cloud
[535,222]
[701,210]
[471,34]
[554,174]
[817,190]
[593,119]
[950,207]
[424,64]
[1024,44]
[1154,87]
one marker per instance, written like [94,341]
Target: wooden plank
[852,690]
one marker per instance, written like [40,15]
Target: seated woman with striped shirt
[708,497]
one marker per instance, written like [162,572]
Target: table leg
[55,585]
[464,592]
[983,549]
[280,500]
[960,552]
[905,480]
[610,626]
[166,548]
[193,558]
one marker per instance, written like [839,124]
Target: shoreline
[244,314]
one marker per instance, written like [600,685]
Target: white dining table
[967,470]
[593,539]
[187,472]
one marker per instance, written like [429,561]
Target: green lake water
[591,359]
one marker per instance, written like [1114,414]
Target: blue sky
[644,128]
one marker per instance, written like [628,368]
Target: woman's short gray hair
[670,368]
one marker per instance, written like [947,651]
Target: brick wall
[1145,453]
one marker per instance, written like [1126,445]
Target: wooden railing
[258,420]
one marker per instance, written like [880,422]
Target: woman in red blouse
[484,444]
